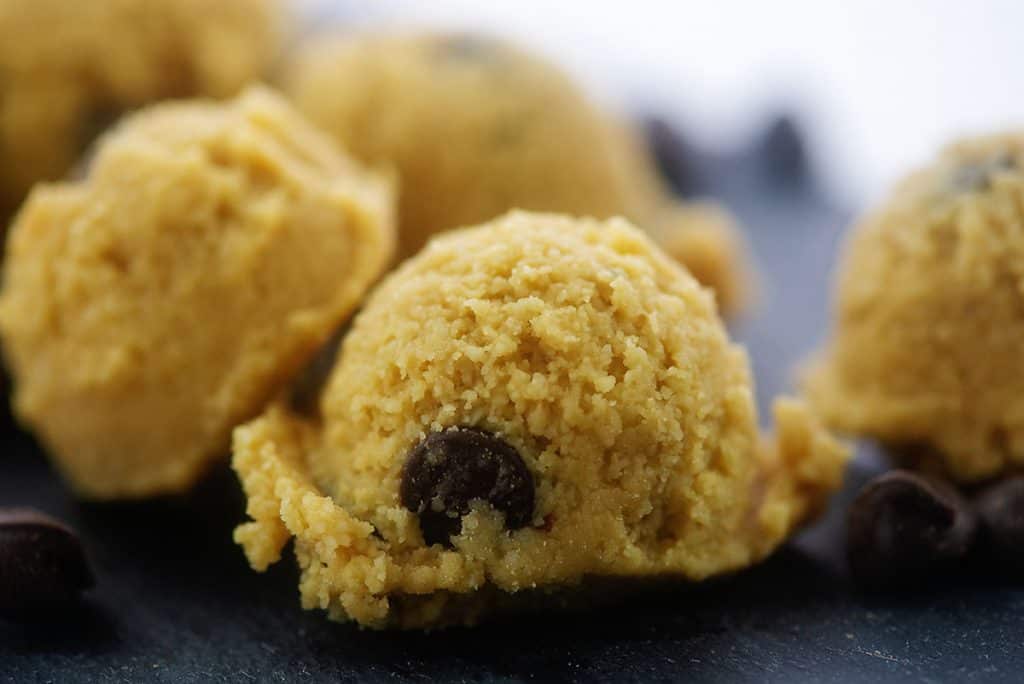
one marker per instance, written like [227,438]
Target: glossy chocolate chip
[1000,509]
[978,176]
[446,472]
[42,565]
[904,527]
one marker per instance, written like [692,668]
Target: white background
[879,85]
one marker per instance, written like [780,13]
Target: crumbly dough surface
[929,316]
[600,361]
[67,67]
[476,127]
[153,306]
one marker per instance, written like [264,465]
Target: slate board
[176,602]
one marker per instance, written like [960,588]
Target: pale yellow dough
[67,67]
[475,127]
[926,351]
[151,307]
[602,362]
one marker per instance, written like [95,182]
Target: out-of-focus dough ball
[67,67]
[926,351]
[149,308]
[476,127]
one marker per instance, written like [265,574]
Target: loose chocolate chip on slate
[904,527]
[449,470]
[1000,508]
[42,565]
[978,176]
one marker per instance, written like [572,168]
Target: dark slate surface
[175,601]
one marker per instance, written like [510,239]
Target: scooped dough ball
[151,307]
[522,405]
[67,67]
[929,318]
[704,238]
[475,128]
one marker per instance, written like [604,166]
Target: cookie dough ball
[475,128]
[929,318]
[67,67]
[150,308]
[523,405]
[705,238]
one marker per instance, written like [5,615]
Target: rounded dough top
[147,309]
[595,358]
[925,354]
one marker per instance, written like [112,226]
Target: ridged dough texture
[476,127]
[601,361]
[929,316]
[67,67]
[151,307]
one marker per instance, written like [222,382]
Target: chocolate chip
[42,565]
[449,470]
[978,176]
[904,527]
[677,160]
[467,47]
[782,154]
[1001,511]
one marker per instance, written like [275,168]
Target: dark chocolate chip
[449,470]
[1000,509]
[42,564]
[675,157]
[978,176]
[904,527]
[782,154]
[467,47]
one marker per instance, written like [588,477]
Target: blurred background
[876,86]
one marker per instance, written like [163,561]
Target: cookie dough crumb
[575,348]
[925,354]
[168,296]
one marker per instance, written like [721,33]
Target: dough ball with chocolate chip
[476,127]
[151,307]
[929,316]
[69,67]
[522,405]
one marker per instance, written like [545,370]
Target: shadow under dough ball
[905,528]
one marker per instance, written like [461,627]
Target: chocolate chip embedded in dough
[447,471]
[978,176]
[467,47]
